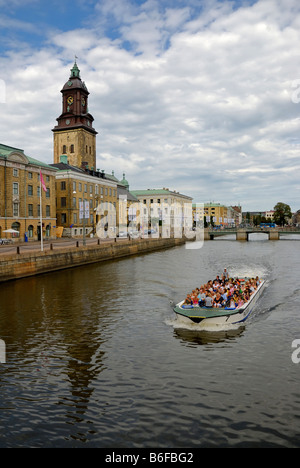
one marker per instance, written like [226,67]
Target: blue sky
[202,97]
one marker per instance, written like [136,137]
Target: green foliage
[282,212]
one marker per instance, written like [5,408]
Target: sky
[198,96]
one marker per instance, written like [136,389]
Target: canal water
[96,358]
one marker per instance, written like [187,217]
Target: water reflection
[194,337]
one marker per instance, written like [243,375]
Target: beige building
[163,207]
[20,194]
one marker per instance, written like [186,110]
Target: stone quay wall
[22,265]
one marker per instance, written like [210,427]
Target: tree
[281,213]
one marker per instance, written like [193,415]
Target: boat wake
[179,324]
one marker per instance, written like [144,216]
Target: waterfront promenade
[57,244]
[20,247]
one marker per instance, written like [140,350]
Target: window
[74,186]
[16,172]
[15,188]
[85,187]
[74,202]
[16,209]
[80,187]
[48,211]
[30,190]
[30,176]
[63,185]
[72,148]
[30,231]
[63,202]
[30,210]
[48,193]
[75,218]
[64,150]
[63,218]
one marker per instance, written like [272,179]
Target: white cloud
[201,104]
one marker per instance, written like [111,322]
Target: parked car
[122,234]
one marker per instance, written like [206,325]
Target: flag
[43,182]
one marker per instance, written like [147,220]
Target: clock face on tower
[83,101]
[70,100]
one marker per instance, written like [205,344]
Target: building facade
[20,195]
[74,135]
[217,214]
[88,200]
[83,198]
[163,207]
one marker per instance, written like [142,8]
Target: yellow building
[80,194]
[216,214]
[20,208]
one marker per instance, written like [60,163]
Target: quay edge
[13,267]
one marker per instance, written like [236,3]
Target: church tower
[74,135]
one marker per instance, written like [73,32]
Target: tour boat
[211,317]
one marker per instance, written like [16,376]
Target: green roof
[150,191]
[6,151]
[162,191]
[210,204]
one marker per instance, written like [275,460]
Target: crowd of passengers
[223,292]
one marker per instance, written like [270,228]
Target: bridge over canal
[242,234]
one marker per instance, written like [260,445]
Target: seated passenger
[201,297]
[195,299]
[218,301]
[208,300]
[240,301]
[188,300]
